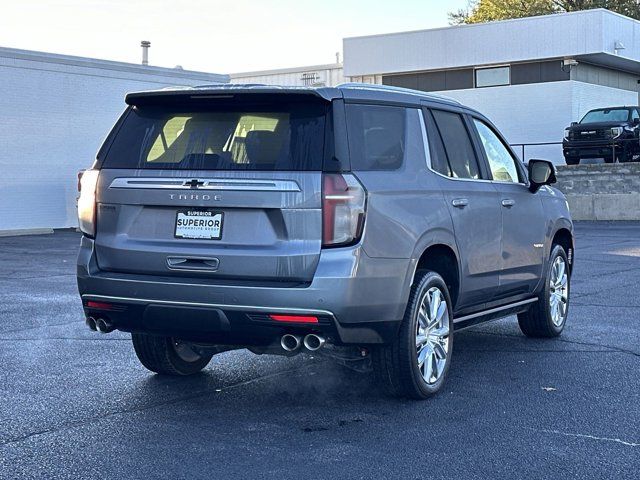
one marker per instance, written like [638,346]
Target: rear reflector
[100,305]
[294,318]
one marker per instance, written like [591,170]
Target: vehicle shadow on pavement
[313,381]
[317,395]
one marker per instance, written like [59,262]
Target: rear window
[264,137]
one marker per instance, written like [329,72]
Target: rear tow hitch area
[354,358]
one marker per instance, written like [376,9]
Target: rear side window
[377,136]
[265,137]
[439,162]
[461,157]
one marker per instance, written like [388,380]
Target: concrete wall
[55,111]
[602,192]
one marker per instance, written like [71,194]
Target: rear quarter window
[381,137]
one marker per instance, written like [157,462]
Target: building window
[493,77]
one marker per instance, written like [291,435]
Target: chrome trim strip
[222,184]
[245,308]
[494,310]
[185,284]
[425,139]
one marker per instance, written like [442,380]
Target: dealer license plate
[199,224]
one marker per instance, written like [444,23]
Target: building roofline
[327,66]
[494,22]
[87,62]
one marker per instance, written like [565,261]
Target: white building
[54,112]
[531,76]
[316,75]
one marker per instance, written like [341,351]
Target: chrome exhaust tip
[91,323]
[313,342]
[104,326]
[290,342]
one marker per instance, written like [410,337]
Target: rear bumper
[357,300]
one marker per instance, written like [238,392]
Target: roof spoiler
[227,91]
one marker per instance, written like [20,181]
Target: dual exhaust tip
[99,325]
[311,342]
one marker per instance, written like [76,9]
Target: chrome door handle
[507,202]
[459,202]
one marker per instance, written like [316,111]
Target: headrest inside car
[263,147]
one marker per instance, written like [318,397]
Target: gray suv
[361,222]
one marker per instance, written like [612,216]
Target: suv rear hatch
[225,186]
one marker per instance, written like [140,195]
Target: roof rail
[389,88]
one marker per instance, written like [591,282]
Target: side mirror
[541,172]
[573,124]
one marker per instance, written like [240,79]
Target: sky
[210,35]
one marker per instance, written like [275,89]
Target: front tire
[415,365]
[547,317]
[167,356]
[572,160]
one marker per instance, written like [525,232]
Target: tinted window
[277,137]
[460,153]
[606,115]
[439,162]
[379,135]
[501,163]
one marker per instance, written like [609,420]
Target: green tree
[479,11]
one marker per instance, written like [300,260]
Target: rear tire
[415,365]
[547,317]
[167,356]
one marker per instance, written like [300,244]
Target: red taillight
[343,209]
[294,318]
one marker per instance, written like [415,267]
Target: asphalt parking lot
[76,404]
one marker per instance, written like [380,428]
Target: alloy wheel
[432,335]
[558,291]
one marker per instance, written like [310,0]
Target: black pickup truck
[609,133]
